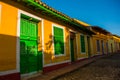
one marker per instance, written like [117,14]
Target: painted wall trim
[56,63]
[18,43]
[76,43]
[18,36]
[82,58]
[28,74]
[8,72]
[62,27]
[70,47]
[0,14]
[43,40]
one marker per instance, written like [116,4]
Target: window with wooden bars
[82,38]
[58,40]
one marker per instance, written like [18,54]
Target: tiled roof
[116,35]
[100,30]
[47,10]
[50,8]
[82,23]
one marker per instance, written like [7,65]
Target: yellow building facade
[35,38]
[101,41]
[116,43]
[32,42]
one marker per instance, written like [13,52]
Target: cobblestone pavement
[106,68]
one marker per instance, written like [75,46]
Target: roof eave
[69,20]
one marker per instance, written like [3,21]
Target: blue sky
[103,13]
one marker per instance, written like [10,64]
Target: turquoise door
[29,56]
[72,50]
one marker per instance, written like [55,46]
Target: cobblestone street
[106,68]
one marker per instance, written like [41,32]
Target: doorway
[102,43]
[72,46]
[111,48]
[29,56]
[89,50]
[107,47]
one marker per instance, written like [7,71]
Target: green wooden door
[72,50]
[23,57]
[32,55]
[29,58]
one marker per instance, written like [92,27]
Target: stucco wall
[8,37]
[49,56]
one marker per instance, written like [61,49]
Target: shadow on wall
[7,52]
[59,44]
[49,55]
[8,56]
[49,43]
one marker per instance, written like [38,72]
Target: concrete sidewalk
[59,72]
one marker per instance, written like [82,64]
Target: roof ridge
[49,7]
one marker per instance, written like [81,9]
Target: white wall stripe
[70,47]
[82,58]
[56,63]
[18,43]
[76,44]
[0,14]
[43,40]
[7,72]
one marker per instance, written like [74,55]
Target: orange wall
[8,31]
[49,56]
[8,37]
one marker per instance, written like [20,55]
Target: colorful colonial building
[100,41]
[35,38]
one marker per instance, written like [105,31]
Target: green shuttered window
[28,29]
[82,38]
[58,40]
